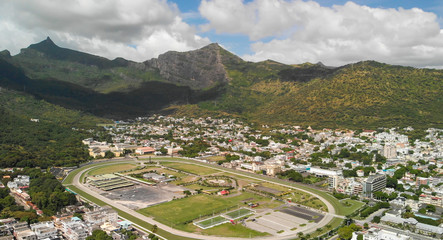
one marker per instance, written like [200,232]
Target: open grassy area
[112,168]
[198,170]
[350,206]
[238,213]
[211,221]
[215,158]
[276,187]
[179,212]
[198,186]
[335,222]
[233,230]
[338,207]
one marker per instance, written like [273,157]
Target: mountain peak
[49,41]
[44,46]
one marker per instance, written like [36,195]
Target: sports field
[181,211]
[238,213]
[210,222]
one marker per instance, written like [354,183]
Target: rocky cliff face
[198,69]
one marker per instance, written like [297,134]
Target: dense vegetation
[46,192]
[362,95]
[29,144]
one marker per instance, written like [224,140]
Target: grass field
[338,207]
[197,186]
[239,213]
[215,158]
[194,169]
[233,230]
[180,211]
[211,221]
[111,169]
[276,187]
[335,222]
[349,206]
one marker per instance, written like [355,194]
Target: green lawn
[181,211]
[335,222]
[212,221]
[339,208]
[111,169]
[198,170]
[349,206]
[238,213]
[233,230]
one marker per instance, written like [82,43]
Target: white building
[44,230]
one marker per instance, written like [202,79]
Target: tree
[154,228]
[163,150]
[360,237]
[345,232]
[376,219]
[99,235]
[187,192]
[391,182]
[430,208]
[109,154]
[295,176]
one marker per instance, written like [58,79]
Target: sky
[401,32]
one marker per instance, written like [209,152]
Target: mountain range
[213,81]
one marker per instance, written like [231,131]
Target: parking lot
[141,196]
[284,221]
[274,222]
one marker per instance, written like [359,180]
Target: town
[369,165]
[389,180]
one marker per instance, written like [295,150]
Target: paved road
[76,182]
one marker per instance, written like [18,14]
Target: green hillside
[213,81]
[45,60]
[361,95]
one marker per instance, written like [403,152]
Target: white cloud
[109,28]
[298,31]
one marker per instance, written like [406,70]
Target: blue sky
[402,32]
[240,43]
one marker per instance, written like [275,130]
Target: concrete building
[45,230]
[154,176]
[27,234]
[74,230]
[272,170]
[144,150]
[389,151]
[333,181]
[413,224]
[101,215]
[319,172]
[373,184]
[5,233]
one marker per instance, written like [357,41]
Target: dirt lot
[141,196]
